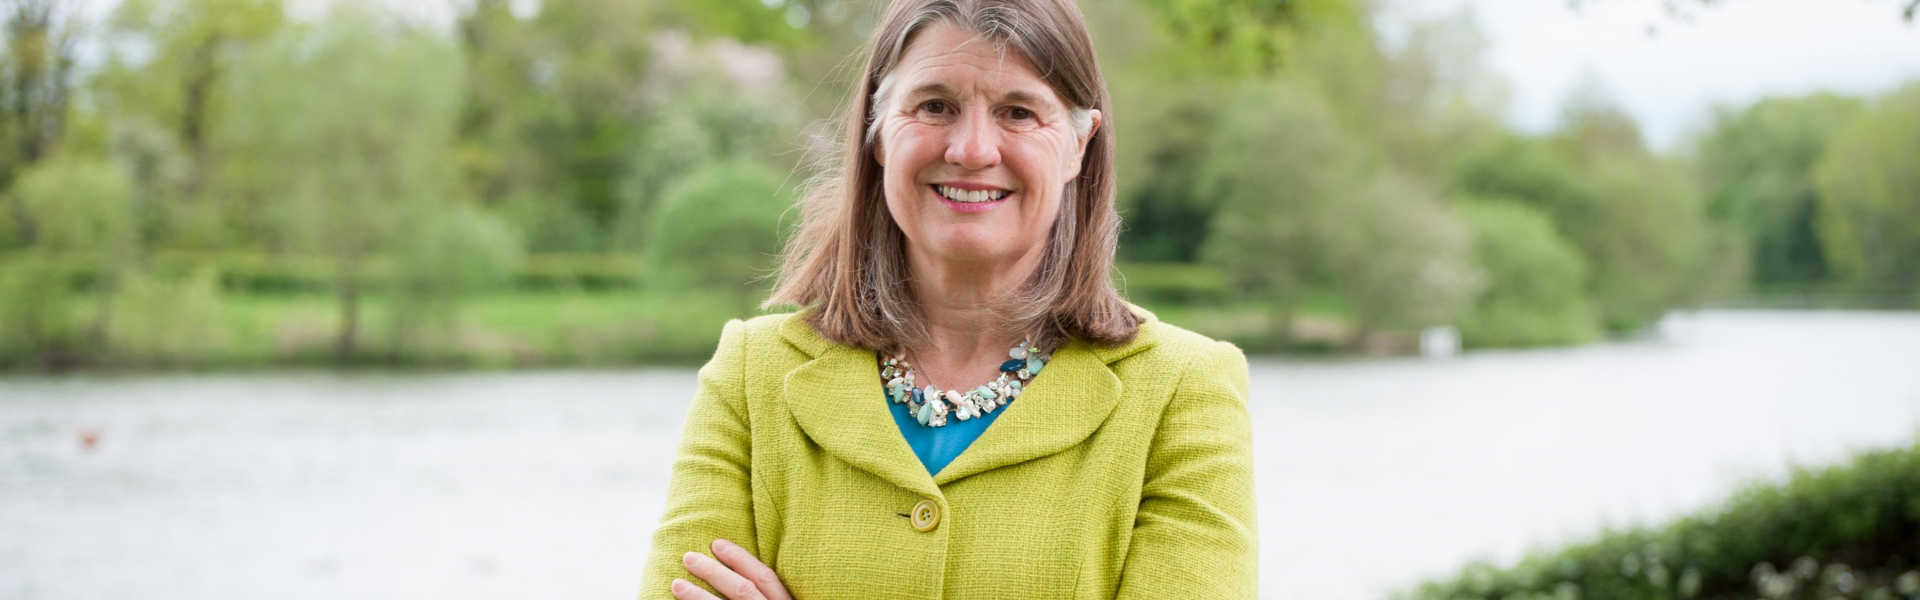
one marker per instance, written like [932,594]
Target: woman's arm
[710,496]
[1194,536]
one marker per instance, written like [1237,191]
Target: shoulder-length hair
[846,262]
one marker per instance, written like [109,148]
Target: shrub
[1537,280]
[718,228]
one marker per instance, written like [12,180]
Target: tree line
[1285,148]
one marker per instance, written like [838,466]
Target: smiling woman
[852,450]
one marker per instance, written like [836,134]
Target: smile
[969,196]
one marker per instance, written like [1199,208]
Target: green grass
[220,311]
[502,330]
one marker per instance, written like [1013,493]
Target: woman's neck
[965,344]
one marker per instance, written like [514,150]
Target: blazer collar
[837,400]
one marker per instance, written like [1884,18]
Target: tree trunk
[346,341]
[1281,325]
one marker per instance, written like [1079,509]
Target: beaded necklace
[930,406]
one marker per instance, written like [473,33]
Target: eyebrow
[941,89]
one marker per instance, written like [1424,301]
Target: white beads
[933,405]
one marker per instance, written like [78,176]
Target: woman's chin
[971,247]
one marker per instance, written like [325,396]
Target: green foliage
[36,70]
[1869,190]
[1848,530]
[461,253]
[348,183]
[1757,166]
[1278,166]
[718,229]
[1647,252]
[1277,157]
[37,324]
[1402,261]
[80,206]
[1168,131]
[709,117]
[1299,202]
[1247,37]
[161,320]
[553,108]
[1172,283]
[1536,292]
[1636,218]
[82,214]
[1529,171]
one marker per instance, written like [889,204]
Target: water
[1372,473]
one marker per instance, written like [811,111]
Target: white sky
[1733,53]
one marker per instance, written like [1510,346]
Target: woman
[963,244]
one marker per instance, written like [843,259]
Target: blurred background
[402,299]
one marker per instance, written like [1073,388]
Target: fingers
[744,564]
[682,590]
[717,576]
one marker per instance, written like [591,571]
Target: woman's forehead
[945,60]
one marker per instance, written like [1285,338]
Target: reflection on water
[545,485]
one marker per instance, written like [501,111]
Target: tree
[1757,166]
[1646,240]
[1536,292]
[1532,172]
[1277,164]
[1648,248]
[187,49]
[348,183]
[718,229]
[82,210]
[1869,196]
[36,76]
[1402,261]
[555,102]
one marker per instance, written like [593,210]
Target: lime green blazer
[1122,472]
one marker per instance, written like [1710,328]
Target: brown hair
[847,262]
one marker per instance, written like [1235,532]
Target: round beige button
[925,515]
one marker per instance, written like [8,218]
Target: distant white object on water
[1439,341]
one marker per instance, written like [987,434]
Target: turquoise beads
[930,406]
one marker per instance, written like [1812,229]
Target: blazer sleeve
[1194,535]
[710,494]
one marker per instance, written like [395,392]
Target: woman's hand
[737,574]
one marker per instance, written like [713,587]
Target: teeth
[959,195]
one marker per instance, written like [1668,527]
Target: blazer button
[925,515]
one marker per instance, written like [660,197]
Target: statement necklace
[930,406]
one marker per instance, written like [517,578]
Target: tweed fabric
[1120,473]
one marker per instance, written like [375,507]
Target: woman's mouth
[964,200]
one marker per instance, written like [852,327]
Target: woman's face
[976,149]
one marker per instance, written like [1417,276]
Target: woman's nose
[974,142]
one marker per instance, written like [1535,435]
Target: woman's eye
[1019,114]
[935,107]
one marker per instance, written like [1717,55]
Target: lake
[1372,474]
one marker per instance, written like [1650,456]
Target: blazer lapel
[837,400]
[1069,400]
[1066,402]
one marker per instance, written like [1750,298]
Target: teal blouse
[937,446]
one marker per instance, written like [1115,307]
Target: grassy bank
[1850,530]
[236,310]
[501,330]
[522,328]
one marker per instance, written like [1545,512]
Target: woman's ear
[1093,115]
[1080,157]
